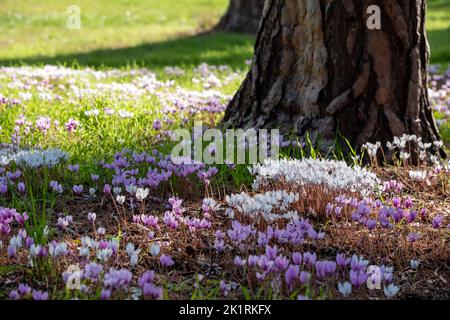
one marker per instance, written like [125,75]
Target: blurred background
[151,33]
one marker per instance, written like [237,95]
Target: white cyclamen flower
[120,200]
[141,194]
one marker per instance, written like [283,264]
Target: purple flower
[170,220]
[105,294]
[71,125]
[309,258]
[14,295]
[40,295]
[107,189]
[423,213]
[225,288]
[271,252]
[93,271]
[325,268]
[412,215]
[358,263]
[152,291]
[77,189]
[409,203]
[56,187]
[239,232]
[157,125]
[147,277]
[357,278]
[3,188]
[149,221]
[252,261]
[43,124]
[292,273]
[12,251]
[396,202]
[74,168]
[21,187]
[238,261]
[166,260]
[437,221]
[341,260]
[24,289]
[118,279]
[281,263]
[304,277]
[371,224]
[297,258]
[413,237]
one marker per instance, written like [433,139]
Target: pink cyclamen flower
[91,216]
[43,124]
[71,125]
[157,124]
[437,221]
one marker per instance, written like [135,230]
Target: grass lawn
[151,33]
[116,33]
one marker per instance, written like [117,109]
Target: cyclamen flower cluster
[64,222]
[127,168]
[306,270]
[402,145]
[117,279]
[56,186]
[294,233]
[271,206]
[374,214]
[146,283]
[40,158]
[8,216]
[334,175]
[25,292]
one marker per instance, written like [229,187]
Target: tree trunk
[242,16]
[318,69]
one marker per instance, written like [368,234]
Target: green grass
[117,33]
[439,30]
[153,33]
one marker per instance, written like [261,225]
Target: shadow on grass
[215,49]
[440,45]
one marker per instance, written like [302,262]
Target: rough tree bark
[242,16]
[318,68]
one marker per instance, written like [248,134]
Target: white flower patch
[335,175]
[39,158]
[418,175]
[7,153]
[32,158]
[265,204]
